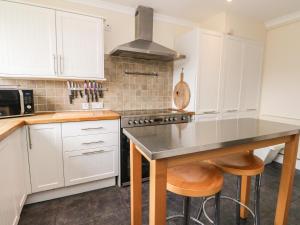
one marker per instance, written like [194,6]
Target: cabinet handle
[29,137]
[93,142]
[232,110]
[92,128]
[211,112]
[55,64]
[94,152]
[61,64]
[251,109]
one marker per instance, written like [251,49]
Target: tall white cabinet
[38,42]
[223,72]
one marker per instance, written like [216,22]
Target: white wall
[122,23]
[237,25]
[281,77]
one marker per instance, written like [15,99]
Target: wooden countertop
[7,126]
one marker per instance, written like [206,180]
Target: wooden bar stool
[199,179]
[243,165]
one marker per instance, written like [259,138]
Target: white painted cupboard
[13,176]
[45,43]
[45,156]
[223,72]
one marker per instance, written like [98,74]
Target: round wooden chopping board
[181,94]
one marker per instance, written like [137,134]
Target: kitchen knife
[70,92]
[86,92]
[80,91]
[95,91]
[91,91]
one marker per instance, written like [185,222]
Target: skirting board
[72,190]
[279,159]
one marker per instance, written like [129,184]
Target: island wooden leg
[135,185]
[286,181]
[245,195]
[158,192]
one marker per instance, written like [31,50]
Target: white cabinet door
[8,205]
[45,157]
[209,77]
[80,46]
[252,69]
[27,40]
[90,165]
[232,74]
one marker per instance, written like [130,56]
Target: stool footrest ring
[182,216]
[228,198]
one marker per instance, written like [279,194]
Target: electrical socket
[85,106]
[97,105]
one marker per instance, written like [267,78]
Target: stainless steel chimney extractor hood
[143,47]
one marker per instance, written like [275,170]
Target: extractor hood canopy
[143,47]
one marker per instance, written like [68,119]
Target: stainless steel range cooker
[139,118]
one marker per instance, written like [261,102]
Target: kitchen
[99,105]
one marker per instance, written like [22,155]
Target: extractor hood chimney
[143,47]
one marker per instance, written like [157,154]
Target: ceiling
[197,10]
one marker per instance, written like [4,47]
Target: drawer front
[89,127]
[90,165]
[90,141]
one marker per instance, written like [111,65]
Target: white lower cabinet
[90,165]
[13,178]
[45,156]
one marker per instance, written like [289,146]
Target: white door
[45,157]
[80,46]
[251,82]
[27,40]
[209,77]
[232,74]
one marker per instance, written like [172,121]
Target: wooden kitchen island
[169,145]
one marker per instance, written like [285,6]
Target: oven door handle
[22,102]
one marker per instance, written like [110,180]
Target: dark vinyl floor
[110,206]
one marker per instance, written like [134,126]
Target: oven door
[10,103]
[125,162]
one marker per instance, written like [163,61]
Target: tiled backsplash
[125,92]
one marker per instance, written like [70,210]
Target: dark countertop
[166,141]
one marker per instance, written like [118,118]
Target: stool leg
[257,199]
[238,198]
[217,208]
[186,212]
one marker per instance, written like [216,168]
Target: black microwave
[16,102]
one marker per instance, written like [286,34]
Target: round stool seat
[198,179]
[240,164]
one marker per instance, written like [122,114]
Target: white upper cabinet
[45,157]
[27,40]
[232,74]
[252,69]
[209,77]
[47,43]
[80,46]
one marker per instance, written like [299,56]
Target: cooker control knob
[166,119]
[183,118]
[171,119]
[130,122]
[175,119]
[136,122]
[146,121]
[151,121]
[141,121]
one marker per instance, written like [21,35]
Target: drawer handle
[93,142]
[92,153]
[251,109]
[211,112]
[92,128]
[232,110]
